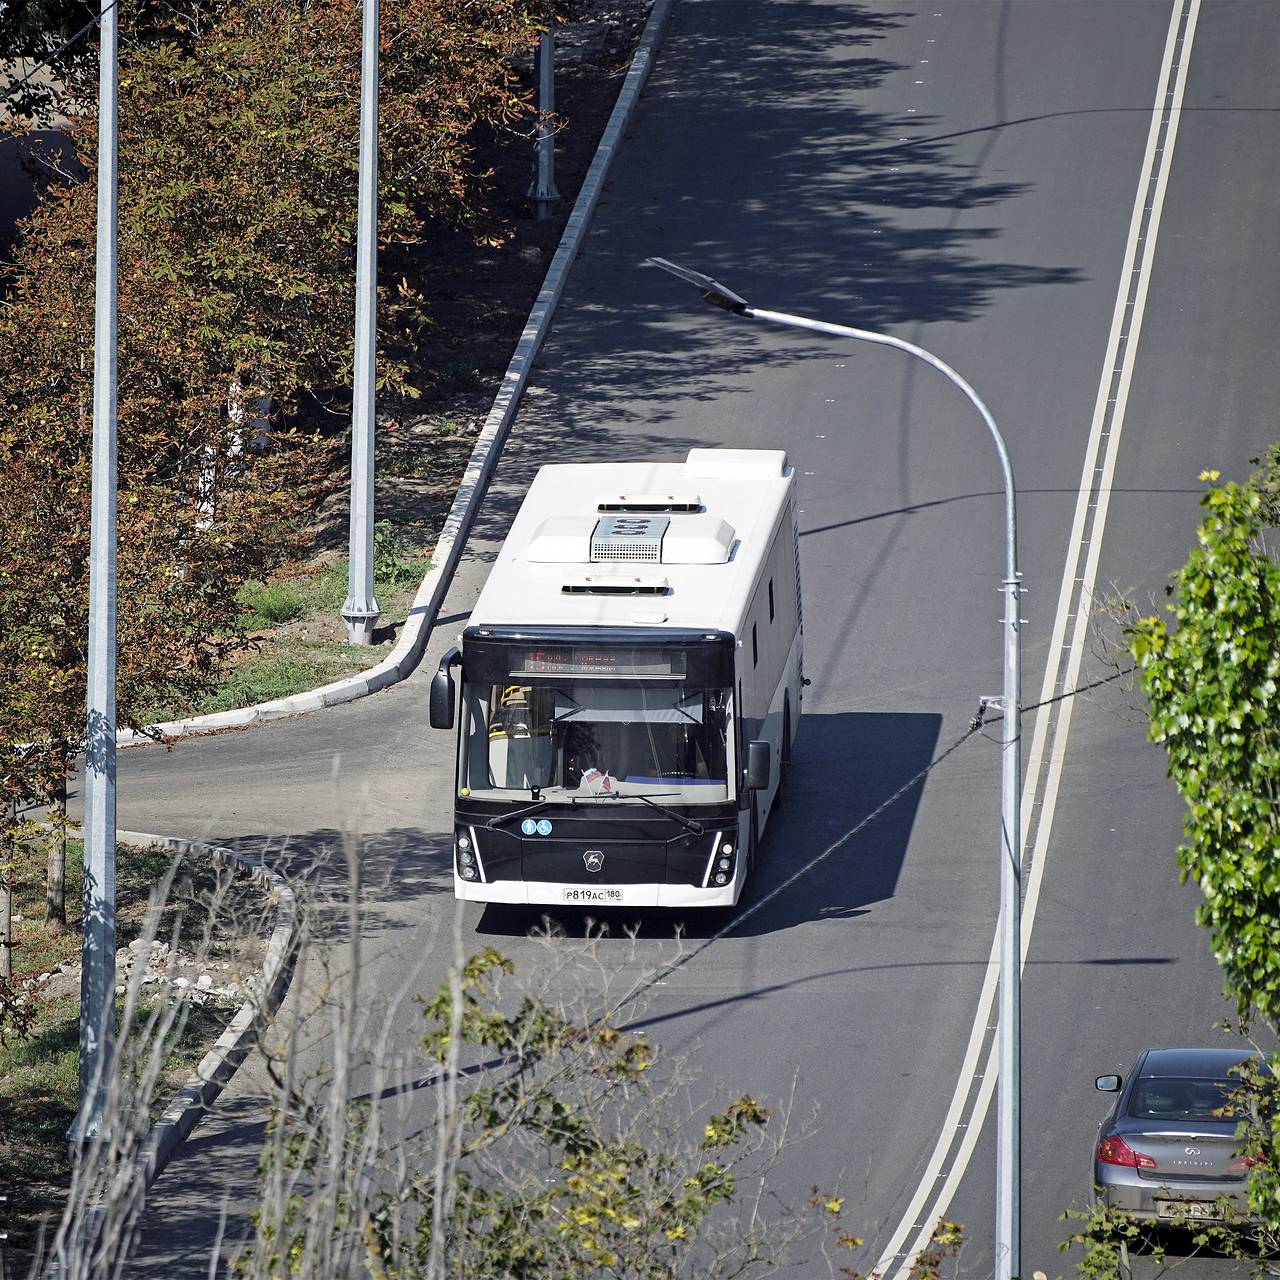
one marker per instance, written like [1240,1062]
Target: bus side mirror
[443,695]
[758,762]
[1109,1084]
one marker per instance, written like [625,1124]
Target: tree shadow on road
[399,869]
[760,154]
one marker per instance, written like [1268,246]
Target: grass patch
[298,632]
[39,1095]
[280,671]
[39,1074]
[268,604]
[37,948]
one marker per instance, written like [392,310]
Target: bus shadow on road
[846,765]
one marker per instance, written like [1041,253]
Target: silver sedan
[1168,1151]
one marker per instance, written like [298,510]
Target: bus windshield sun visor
[621,704]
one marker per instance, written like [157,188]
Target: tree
[1212,683]
[559,1145]
[238,157]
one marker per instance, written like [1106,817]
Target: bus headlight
[464,842]
[726,849]
[724,864]
[721,878]
[468,871]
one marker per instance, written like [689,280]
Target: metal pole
[360,611]
[543,192]
[1008,1244]
[98,947]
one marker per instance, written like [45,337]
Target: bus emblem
[594,859]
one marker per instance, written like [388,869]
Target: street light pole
[98,945]
[1008,1245]
[360,611]
[543,192]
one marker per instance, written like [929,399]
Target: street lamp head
[712,290]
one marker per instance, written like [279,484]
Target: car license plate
[593,895]
[1184,1209]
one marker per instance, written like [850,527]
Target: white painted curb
[266,993]
[185,1110]
[406,655]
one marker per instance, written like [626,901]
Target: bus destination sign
[565,661]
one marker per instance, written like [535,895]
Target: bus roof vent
[610,584]
[736,464]
[698,540]
[628,538]
[652,503]
[562,540]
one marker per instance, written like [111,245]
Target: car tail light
[1242,1164]
[1115,1150]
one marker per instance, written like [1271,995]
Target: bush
[394,564]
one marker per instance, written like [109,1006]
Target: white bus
[631,679]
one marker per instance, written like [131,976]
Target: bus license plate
[593,895]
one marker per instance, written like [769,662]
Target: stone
[184,983]
[204,982]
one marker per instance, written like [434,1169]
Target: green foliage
[1258,1134]
[550,1157]
[1267,482]
[394,564]
[1109,1237]
[268,604]
[278,675]
[945,1243]
[17,1015]
[1213,687]
[237,160]
[1106,1237]
[613,1203]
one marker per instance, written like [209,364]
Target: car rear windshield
[1184,1099]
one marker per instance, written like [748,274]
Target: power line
[975,727]
[1081,688]
[983,719]
[57,53]
[680,961]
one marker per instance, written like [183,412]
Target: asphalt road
[962,172]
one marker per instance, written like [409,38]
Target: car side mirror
[443,694]
[759,759]
[1109,1084]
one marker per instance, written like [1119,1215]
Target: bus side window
[755,648]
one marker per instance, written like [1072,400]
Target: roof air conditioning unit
[629,538]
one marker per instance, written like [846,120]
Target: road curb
[266,993]
[406,655]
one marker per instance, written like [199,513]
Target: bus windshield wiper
[689,824]
[496,822]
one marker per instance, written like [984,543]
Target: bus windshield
[583,738]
